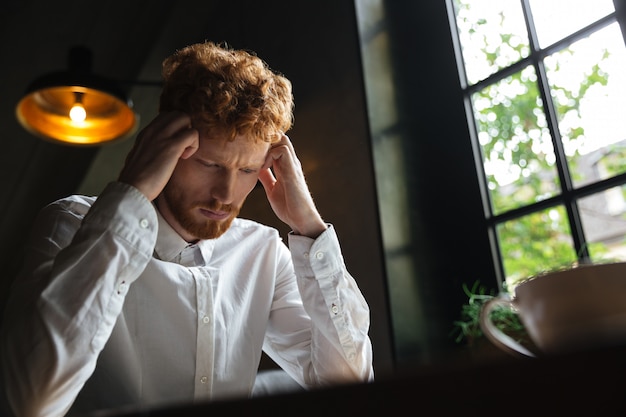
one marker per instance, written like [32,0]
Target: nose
[223,189]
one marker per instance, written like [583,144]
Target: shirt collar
[171,247]
[169,244]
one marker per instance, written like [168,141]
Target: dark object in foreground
[580,383]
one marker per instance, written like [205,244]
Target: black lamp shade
[45,109]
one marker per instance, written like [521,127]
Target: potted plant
[466,330]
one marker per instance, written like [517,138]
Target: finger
[174,129]
[164,125]
[284,141]
[269,160]
[292,151]
[193,143]
[284,160]
[170,122]
[267,179]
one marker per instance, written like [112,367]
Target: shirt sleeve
[79,264]
[336,318]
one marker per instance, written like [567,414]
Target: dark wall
[450,245]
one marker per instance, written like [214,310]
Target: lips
[214,214]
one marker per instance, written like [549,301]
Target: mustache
[213,206]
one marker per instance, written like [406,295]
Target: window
[545,92]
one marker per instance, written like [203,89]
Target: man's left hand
[286,189]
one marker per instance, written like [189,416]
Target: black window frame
[569,194]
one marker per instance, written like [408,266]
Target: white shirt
[115,308]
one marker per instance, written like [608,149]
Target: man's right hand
[157,149]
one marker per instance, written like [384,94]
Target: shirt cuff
[319,257]
[126,212]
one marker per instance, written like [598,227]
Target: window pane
[516,143]
[604,222]
[588,87]
[535,243]
[571,15]
[492,34]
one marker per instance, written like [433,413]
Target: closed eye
[216,166]
[208,164]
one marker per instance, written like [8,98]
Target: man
[155,292]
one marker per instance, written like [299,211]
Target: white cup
[568,310]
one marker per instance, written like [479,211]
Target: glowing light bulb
[78,113]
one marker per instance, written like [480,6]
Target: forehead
[243,150]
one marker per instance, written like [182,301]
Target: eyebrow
[251,165]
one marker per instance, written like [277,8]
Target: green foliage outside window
[516,144]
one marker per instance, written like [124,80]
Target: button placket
[205,333]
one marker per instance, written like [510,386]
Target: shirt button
[206,319]
[122,288]
[144,223]
[334,309]
[204,380]
[306,255]
[351,356]
[319,255]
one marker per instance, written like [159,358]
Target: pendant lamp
[77,107]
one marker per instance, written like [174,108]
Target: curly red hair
[227,90]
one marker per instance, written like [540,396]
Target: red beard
[184,214]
